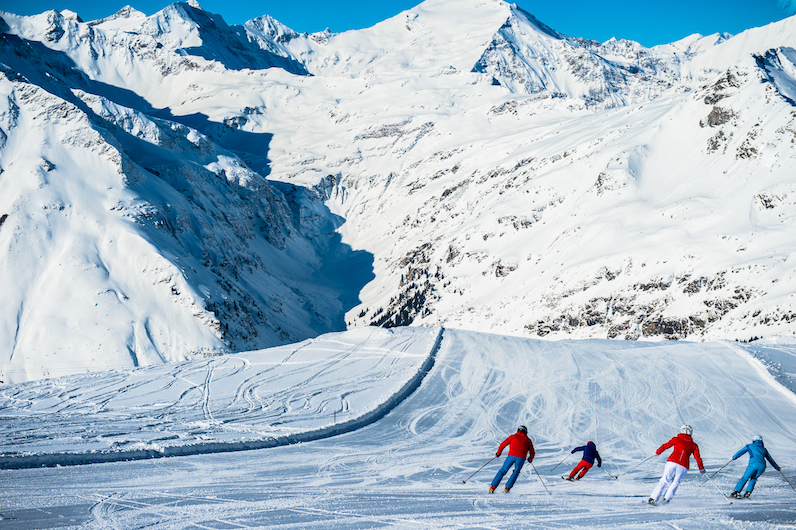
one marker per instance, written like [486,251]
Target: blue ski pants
[753,472]
[517,462]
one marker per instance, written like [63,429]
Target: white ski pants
[672,475]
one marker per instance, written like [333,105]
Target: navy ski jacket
[758,454]
[590,453]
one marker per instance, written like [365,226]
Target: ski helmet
[523,429]
[756,438]
[686,429]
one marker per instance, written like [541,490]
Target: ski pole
[610,475]
[540,478]
[786,479]
[716,473]
[479,469]
[717,488]
[635,466]
[555,466]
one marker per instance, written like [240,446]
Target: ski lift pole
[635,466]
[786,479]
[562,461]
[540,478]
[716,473]
[479,469]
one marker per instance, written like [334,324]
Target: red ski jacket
[519,445]
[684,446]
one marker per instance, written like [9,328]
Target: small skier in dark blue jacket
[758,455]
[589,454]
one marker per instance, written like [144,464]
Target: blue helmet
[522,429]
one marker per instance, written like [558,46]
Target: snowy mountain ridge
[172,186]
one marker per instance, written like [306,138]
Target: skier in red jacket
[677,464]
[520,446]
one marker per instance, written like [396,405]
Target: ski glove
[497,455]
[702,471]
[530,460]
[599,465]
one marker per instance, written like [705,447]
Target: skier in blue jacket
[758,455]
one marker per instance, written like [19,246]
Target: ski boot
[506,489]
[491,489]
[567,478]
[651,501]
[735,494]
[747,494]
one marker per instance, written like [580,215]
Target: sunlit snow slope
[627,395]
[407,468]
[300,392]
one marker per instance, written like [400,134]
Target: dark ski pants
[583,467]
[753,472]
[517,462]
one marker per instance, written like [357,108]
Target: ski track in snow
[406,469]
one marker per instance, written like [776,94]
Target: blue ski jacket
[590,453]
[758,454]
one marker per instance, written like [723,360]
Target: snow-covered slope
[435,35]
[129,239]
[642,211]
[651,220]
[460,161]
[314,389]
[406,470]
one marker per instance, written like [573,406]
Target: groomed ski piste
[375,428]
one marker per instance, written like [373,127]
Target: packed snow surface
[407,470]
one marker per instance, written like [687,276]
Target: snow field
[406,470]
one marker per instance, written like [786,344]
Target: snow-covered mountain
[174,186]
[129,239]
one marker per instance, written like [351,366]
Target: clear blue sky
[645,21]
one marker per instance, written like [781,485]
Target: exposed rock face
[717,116]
